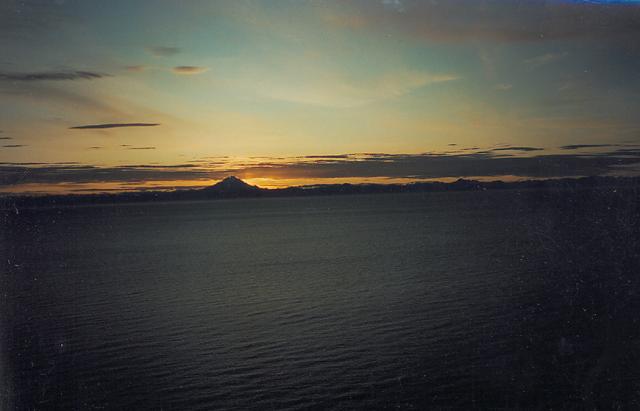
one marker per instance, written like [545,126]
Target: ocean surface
[459,300]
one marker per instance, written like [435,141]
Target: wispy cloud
[544,59]
[46,94]
[188,70]
[163,51]
[518,149]
[14,145]
[504,87]
[136,68]
[6,138]
[52,76]
[113,125]
[141,148]
[334,89]
[396,5]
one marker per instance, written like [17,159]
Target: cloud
[141,148]
[329,156]
[163,51]
[113,125]
[43,93]
[95,148]
[518,149]
[395,5]
[158,166]
[6,138]
[504,87]
[52,76]
[579,146]
[64,163]
[189,70]
[136,68]
[498,21]
[11,175]
[335,89]
[342,20]
[14,145]
[31,20]
[434,166]
[353,166]
[544,59]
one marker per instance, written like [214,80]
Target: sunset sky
[121,95]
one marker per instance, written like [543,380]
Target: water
[410,301]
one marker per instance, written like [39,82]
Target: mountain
[232,185]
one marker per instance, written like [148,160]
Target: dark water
[411,301]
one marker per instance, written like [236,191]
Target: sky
[100,96]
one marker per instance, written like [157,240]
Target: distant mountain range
[233,187]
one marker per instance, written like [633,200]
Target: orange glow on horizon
[262,182]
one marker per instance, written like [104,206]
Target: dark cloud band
[52,76]
[408,166]
[579,146]
[113,125]
[518,149]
